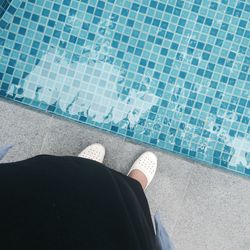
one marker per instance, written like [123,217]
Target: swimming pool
[172,74]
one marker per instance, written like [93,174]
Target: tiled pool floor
[174,74]
[202,208]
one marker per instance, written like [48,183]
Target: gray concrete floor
[201,207]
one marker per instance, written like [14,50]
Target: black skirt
[66,202]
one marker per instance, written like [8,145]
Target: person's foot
[95,152]
[144,168]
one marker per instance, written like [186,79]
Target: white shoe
[95,152]
[147,164]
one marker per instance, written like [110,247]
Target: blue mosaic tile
[4,4]
[171,74]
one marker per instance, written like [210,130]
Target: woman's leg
[139,176]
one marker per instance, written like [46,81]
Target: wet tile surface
[173,75]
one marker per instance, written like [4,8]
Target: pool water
[172,74]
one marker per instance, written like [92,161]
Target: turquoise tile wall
[172,74]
